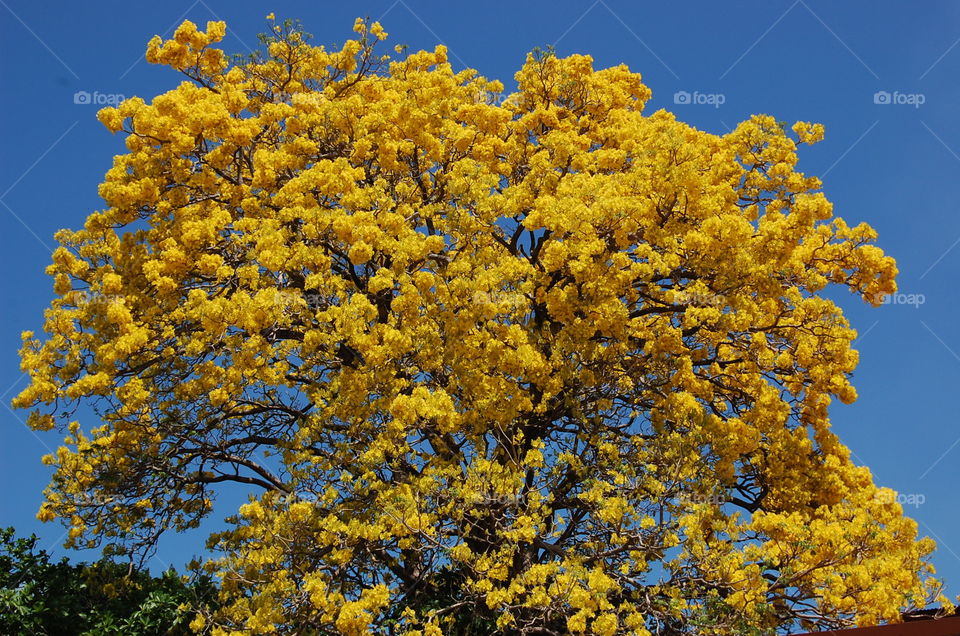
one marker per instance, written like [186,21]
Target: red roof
[919,624]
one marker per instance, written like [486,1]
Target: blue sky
[881,76]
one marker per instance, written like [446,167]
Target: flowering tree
[537,366]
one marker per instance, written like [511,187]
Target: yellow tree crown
[546,362]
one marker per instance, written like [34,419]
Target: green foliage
[39,596]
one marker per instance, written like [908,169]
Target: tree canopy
[40,597]
[536,365]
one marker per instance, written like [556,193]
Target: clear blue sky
[894,165]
